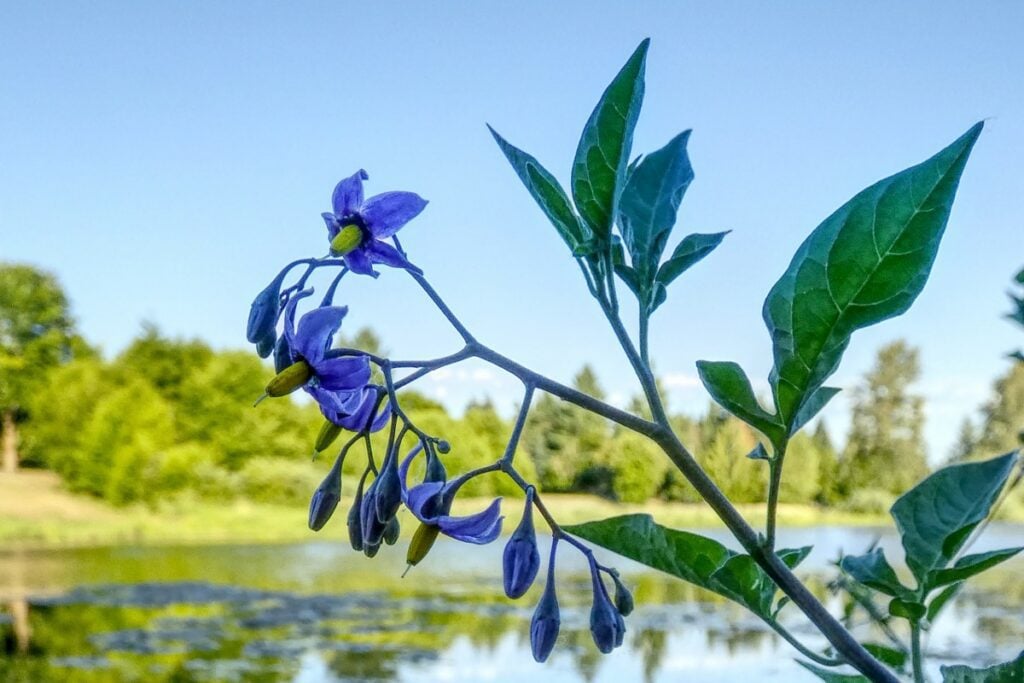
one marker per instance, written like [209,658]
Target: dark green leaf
[1020,277]
[628,275]
[548,194]
[699,560]
[688,252]
[935,517]
[812,406]
[874,571]
[599,170]
[729,386]
[887,655]
[969,565]
[1009,672]
[865,263]
[759,453]
[792,557]
[649,202]
[830,676]
[907,609]
[937,604]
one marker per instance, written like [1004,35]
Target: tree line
[172,417]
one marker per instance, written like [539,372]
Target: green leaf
[1020,277]
[729,386]
[939,602]
[812,406]
[970,565]
[830,676]
[887,655]
[865,263]
[693,558]
[1009,672]
[599,170]
[548,194]
[689,251]
[907,609]
[935,517]
[874,571]
[649,202]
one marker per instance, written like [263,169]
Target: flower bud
[371,525]
[623,598]
[392,531]
[282,354]
[421,543]
[289,379]
[521,560]
[263,313]
[328,433]
[606,624]
[389,489]
[325,499]
[443,447]
[265,346]
[371,550]
[355,525]
[435,469]
[347,239]
[546,619]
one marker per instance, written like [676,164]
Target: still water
[312,612]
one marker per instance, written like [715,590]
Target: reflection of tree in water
[586,658]
[650,644]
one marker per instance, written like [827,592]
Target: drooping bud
[263,313]
[546,619]
[421,543]
[389,489]
[521,560]
[623,598]
[325,498]
[347,239]
[265,346]
[392,531]
[289,379]
[371,525]
[282,354]
[606,624]
[328,433]
[435,469]
[355,526]
[371,550]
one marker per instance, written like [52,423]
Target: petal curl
[481,528]
[382,252]
[358,261]
[346,373]
[348,195]
[314,332]
[387,213]
[333,226]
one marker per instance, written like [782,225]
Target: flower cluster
[361,234]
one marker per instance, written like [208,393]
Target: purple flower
[336,382]
[521,560]
[431,503]
[363,418]
[358,227]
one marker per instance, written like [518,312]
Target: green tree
[165,363]
[725,442]
[828,466]
[966,442]
[36,334]
[885,448]
[633,467]
[1002,416]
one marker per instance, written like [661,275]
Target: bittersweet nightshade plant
[865,263]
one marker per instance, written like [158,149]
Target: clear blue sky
[165,159]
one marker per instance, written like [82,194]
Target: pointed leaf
[546,191]
[599,170]
[935,517]
[649,202]
[887,655]
[729,386]
[688,252]
[969,565]
[865,263]
[874,571]
[939,602]
[812,406]
[1008,672]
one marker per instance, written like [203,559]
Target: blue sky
[165,160]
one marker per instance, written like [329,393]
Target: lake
[317,611]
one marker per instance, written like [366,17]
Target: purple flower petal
[333,226]
[358,419]
[348,195]
[330,402]
[313,334]
[358,261]
[344,374]
[403,467]
[382,417]
[382,252]
[386,213]
[289,322]
[481,528]
[420,498]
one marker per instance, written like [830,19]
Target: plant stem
[774,484]
[645,320]
[801,648]
[517,430]
[915,652]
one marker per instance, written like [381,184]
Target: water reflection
[317,612]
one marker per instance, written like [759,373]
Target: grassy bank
[36,511]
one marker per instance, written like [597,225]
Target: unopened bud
[392,531]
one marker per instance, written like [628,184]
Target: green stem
[774,485]
[915,652]
[645,320]
[801,648]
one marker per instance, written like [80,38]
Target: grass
[36,511]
